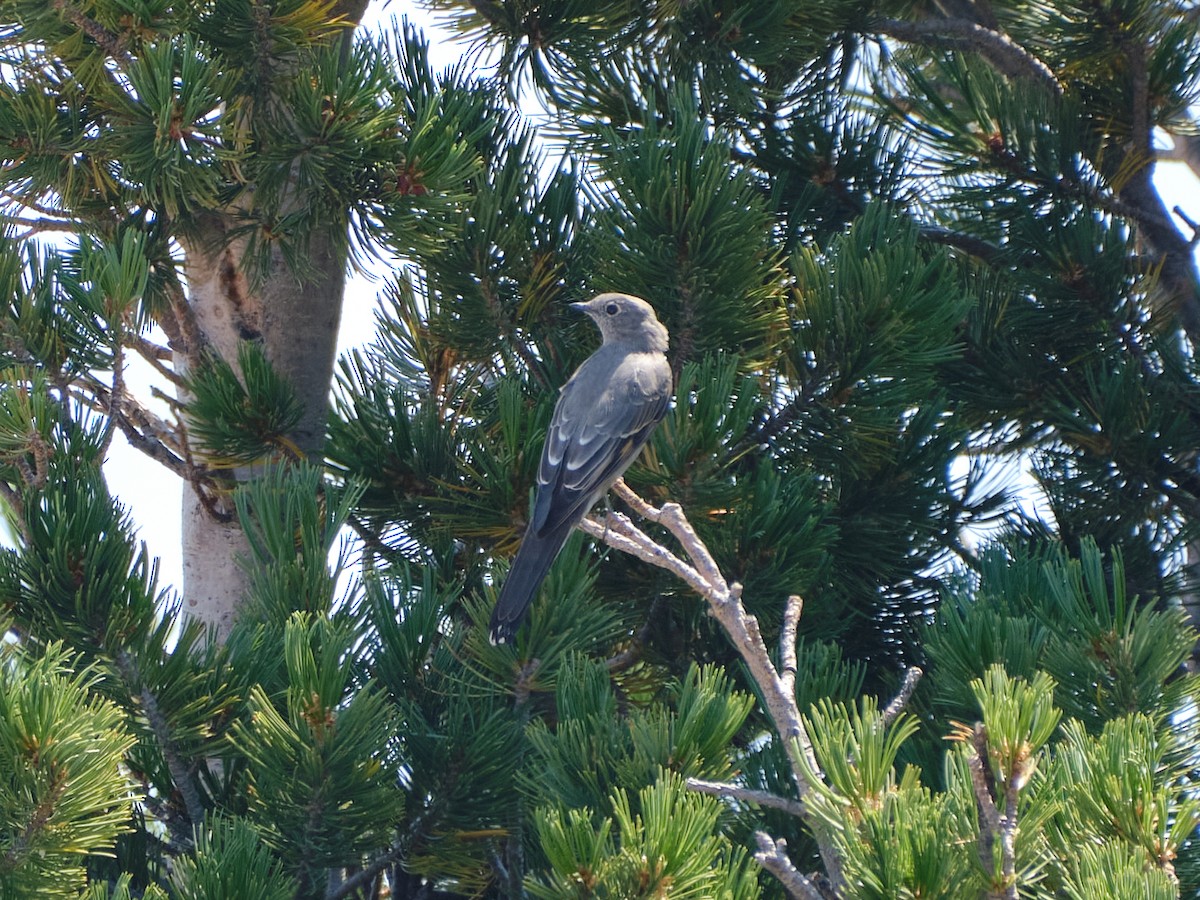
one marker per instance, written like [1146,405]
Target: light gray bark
[296,322]
[294,317]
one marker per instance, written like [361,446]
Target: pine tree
[817,649]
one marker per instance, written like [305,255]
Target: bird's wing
[593,438]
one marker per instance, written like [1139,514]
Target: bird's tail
[530,566]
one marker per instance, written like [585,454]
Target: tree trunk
[295,319]
[296,322]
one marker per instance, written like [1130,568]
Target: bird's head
[623,318]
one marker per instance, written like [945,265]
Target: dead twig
[702,574]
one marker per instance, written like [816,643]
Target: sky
[154,495]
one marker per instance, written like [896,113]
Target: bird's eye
[611,309]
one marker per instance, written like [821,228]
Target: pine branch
[38,820]
[977,247]
[37,475]
[107,41]
[1139,108]
[787,641]
[725,605]
[782,419]
[118,389]
[183,330]
[1009,57]
[493,13]
[161,729]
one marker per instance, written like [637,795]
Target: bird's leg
[608,511]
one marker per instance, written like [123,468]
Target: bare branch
[672,518]
[366,875]
[787,641]
[725,605]
[1008,833]
[1009,57]
[37,226]
[772,856]
[748,795]
[911,677]
[981,784]
[615,533]
[142,429]
[156,355]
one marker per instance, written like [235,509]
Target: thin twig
[1187,220]
[748,795]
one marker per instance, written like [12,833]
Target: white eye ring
[611,309]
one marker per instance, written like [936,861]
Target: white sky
[154,494]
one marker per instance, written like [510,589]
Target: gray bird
[604,416]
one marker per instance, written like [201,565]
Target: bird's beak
[578,307]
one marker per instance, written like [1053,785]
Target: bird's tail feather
[529,568]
